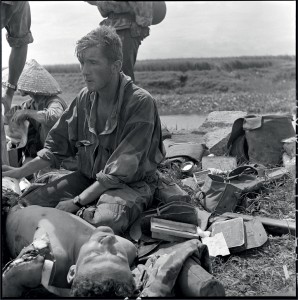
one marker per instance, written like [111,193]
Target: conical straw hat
[35,79]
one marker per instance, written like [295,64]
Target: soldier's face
[96,69]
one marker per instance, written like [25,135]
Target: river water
[194,121]
[178,122]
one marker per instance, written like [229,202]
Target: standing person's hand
[5,107]
[68,206]
[6,100]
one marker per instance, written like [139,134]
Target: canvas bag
[159,11]
[222,194]
[219,196]
[258,139]
[178,211]
[168,191]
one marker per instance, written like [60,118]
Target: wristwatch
[76,201]
[11,86]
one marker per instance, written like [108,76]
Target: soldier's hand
[68,206]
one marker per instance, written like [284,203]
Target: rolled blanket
[185,266]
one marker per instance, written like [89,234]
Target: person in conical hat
[44,107]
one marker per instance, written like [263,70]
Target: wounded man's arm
[25,271]
[20,275]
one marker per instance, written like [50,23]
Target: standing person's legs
[64,188]
[130,46]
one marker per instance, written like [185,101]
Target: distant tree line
[192,64]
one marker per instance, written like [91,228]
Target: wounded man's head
[102,268]
[83,286]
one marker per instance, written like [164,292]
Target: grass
[183,86]
[186,64]
[259,271]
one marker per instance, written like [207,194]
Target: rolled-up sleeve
[61,139]
[18,27]
[52,113]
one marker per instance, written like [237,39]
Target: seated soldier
[70,257]
[114,128]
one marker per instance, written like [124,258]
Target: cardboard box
[233,231]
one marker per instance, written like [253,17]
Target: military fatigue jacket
[127,150]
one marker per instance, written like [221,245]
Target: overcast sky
[190,29]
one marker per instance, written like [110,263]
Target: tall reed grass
[190,64]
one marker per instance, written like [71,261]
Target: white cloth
[45,278]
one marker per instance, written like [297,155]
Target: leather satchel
[168,191]
[258,139]
[222,194]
